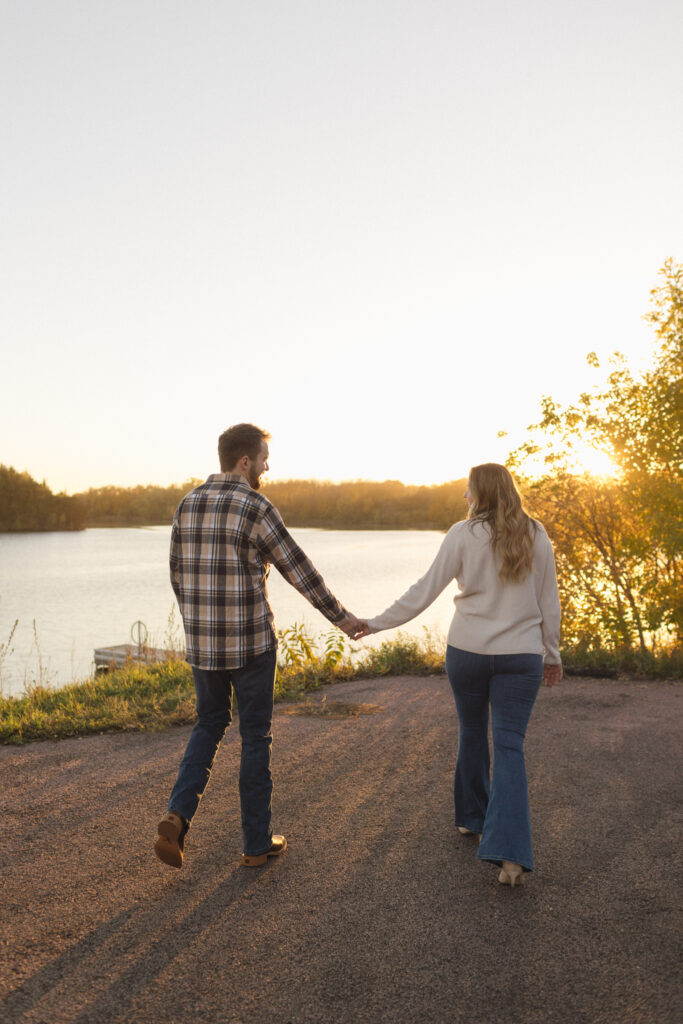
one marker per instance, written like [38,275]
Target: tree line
[26,505]
[368,505]
[360,504]
[144,505]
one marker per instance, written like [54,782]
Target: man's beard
[255,481]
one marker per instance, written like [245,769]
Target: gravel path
[379,910]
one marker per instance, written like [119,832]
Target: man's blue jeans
[498,809]
[253,685]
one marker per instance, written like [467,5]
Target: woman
[507,613]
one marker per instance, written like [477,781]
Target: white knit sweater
[490,617]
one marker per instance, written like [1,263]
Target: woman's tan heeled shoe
[512,874]
[468,832]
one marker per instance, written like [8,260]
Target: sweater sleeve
[549,603]
[443,569]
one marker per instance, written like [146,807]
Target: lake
[85,590]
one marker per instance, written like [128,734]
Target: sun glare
[582,459]
[593,461]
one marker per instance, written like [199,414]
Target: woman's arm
[443,569]
[549,604]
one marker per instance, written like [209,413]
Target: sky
[380,230]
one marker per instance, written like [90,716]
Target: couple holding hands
[503,643]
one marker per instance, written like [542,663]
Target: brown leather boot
[169,845]
[278,846]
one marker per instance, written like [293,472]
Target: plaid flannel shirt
[223,539]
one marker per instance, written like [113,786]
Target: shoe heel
[511,874]
[254,862]
[168,830]
[468,832]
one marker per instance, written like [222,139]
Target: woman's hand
[551,674]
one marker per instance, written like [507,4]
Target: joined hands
[355,628]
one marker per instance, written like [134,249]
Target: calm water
[86,589]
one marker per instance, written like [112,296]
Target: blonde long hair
[496,501]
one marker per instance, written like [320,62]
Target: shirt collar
[229,478]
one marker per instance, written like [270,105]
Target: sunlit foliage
[618,540]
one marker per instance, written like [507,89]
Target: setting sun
[593,461]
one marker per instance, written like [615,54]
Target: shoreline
[155,697]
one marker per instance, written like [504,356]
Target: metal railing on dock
[115,657]
[138,652]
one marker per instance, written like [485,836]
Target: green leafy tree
[636,421]
[618,541]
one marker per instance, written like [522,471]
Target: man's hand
[354,628]
[551,674]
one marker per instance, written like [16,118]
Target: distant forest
[26,505]
[132,506]
[358,505]
[366,505]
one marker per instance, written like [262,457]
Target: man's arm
[279,547]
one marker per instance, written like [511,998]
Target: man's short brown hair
[242,439]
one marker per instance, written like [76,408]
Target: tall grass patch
[136,697]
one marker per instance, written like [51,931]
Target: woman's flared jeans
[253,685]
[497,807]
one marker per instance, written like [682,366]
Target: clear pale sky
[381,230]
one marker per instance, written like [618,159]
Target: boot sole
[168,852]
[260,859]
[167,847]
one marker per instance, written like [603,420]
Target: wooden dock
[122,654]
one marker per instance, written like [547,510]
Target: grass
[155,697]
[589,659]
[136,697]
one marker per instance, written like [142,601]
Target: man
[224,537]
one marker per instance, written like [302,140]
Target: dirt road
[379,911]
